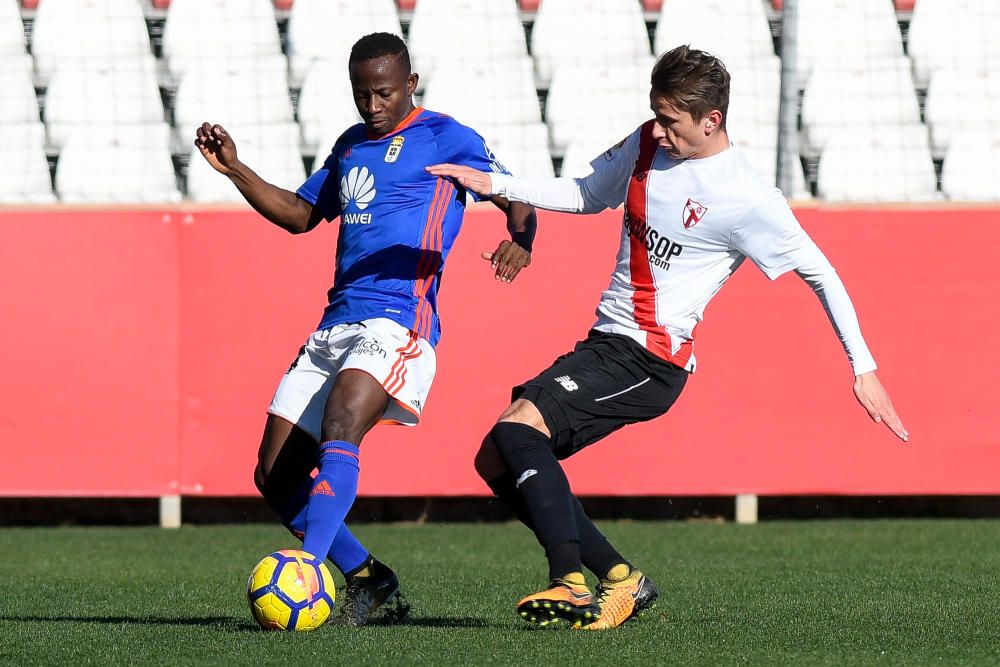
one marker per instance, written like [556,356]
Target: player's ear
[411,83]
[712,121]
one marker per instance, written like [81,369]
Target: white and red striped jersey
[687,226]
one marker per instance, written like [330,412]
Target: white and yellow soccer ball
[290,590]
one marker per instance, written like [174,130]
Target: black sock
[544,490]
[597,554]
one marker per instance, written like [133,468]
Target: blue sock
[347,553]
[333,493]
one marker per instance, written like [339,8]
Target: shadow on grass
[227,623]
[437,622]
[231,624]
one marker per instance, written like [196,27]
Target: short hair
[693,81]
[378,45]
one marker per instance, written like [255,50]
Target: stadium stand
[523,149]
[956,95]
[115,173]
[957,34]
[485,92]
[604,32]
[96,32]
[273,151]
[326,104]
[615,99]
[24,171]
[855,173]
[95,69]
[100,96]
[846,32]
[735,30]
[326,29]
[838,99]
[19,102]
[490,30]
[972,169]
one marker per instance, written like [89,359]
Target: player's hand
[873,398]
[469,178]
[217,147]
[508,260]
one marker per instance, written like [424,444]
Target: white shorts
[399,360]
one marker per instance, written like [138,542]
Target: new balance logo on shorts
[566,383]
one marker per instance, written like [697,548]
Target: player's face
[680,135]
[383,92]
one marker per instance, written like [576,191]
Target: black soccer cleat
[373,599]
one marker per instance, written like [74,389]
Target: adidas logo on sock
[322,489]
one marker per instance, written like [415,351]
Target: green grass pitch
[817,593]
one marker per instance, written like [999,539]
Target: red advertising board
[140,349]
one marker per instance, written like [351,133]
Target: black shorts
[606,382]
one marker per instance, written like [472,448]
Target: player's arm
[772,237]
[569,195]
[814,268]
[281,207]
[513,255]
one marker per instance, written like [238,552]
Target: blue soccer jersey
[397,222]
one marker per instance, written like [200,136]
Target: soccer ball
[290,590]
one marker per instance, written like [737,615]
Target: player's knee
[260,478]
[489,464]
[346,425]
[524,412]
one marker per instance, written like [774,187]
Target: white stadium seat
[102,97]
[327,29]
[846,31]
[956,95]
[18,92]
[270,150]
[952,34]
[473,30]
[578,156]
[96,31]
[604,103]
[153,135]
[219,29]
[863,174]
[230,98]
[484,92]
[24,170]
[972,169]
[326,105]
[736,31]
[838,98]
[523,149]
[131,174]
[754,95]
[581,32]
[12,42]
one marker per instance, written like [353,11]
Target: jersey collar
[403,124]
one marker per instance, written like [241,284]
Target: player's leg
[522,439]
[608,381]
[596,553]
[385,372]
[285,461]
[287,453]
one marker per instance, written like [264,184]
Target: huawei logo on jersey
[693,213]
[357,186]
